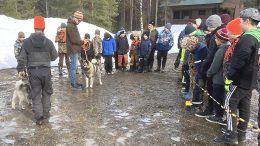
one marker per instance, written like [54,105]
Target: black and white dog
[21,92]
[90,69]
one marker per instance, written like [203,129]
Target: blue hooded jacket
[109,46]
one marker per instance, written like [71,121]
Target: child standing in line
[97,45]
[134,51]
[144,52]
[109,47]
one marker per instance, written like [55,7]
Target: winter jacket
[109,47]
[212,49]
[37,51]
[153,36]
[244,63]
[228,56]
[145,48]
[97,45]
[164,41]
[61,40]
[216,68]
[122,46]
[74,41]
[17,48]
[198,56]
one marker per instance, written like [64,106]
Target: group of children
[221,59]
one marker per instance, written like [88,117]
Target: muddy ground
[128,109]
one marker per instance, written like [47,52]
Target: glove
[227,84]
[22,74]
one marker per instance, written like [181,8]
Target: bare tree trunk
[141,15]
[258,3]
[165,12]
[131,14]
[47,11]
[156,12]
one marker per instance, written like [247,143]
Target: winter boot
[229,138]
[158,69]
[60,71]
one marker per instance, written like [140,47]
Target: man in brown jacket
[74,44]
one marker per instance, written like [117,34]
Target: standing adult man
[153,36]
[37,54]
[242,75]
[74,44]
[61,40]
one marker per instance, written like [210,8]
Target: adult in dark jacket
[163,45]
[74,44]
[153,36]
[109,48]
[213,23]
[242,75]
[144,52]
[37,54]
[122,50]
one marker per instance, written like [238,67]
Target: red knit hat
[39,22]
[222,34]
[234,27]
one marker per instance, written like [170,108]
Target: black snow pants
[41,90]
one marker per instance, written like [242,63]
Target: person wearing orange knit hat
[234,32]
[37,53]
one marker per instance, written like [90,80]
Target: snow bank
[9,28]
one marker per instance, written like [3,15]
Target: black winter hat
[189,29]
[146,33]
[87,36]
[122,32]
[152,22]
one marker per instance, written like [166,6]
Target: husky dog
[21,93]
[90,69]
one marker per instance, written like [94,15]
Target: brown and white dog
[91,69]
[21,92]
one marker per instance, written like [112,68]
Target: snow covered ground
[9,28]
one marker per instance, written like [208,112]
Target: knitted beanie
[234,27]
[107,35]
[63,25]
[189,29]
[78,15]
[152,22]
[135,34]
[222,34]
[97,31]
[225,18]
[213,21]
[168,26]
[21,35]
[39,22]
[87,36]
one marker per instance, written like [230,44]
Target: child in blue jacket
[109,47]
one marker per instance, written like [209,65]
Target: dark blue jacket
[145,48]
[199,55]
[109,46]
